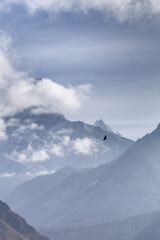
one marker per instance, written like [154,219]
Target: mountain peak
[100,123]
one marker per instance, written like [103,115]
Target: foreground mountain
[127,186]
[13,227]
[141,227]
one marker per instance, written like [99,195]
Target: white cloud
[3,134]
[32,126]
[7,175]
[85,146]
[43,172]
[121,9]
[39,156]
[12,122]
[66,140]
[18,91]
[30,155]
[45,93]
[64,131]
[57,150]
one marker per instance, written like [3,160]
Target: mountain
[12,173]
[40,143]
[39,185]
[14,227]
[101,124]
[127,186]
[48,141]
[141,227]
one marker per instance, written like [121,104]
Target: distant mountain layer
[141,227]
[124,187]
[13,227]
[40,143]
[45,141]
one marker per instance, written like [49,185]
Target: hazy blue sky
[115,52]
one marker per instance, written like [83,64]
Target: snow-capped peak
[101,124]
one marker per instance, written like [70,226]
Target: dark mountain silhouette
[14,227]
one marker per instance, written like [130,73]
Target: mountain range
[41,143]
[127,186]
[50,140]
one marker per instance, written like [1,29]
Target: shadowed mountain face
[141,227]
[14,227]
[128,186]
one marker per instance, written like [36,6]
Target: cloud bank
[18,91]
[85,146]
[121,9]
[3,135]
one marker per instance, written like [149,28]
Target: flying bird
[105,137]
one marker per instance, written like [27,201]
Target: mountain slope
[10,166]
[101,124]
[141,227]
[8,233]
[38,186]
[40,143]
[124,187]
[13,226]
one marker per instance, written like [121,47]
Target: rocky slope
[14,227]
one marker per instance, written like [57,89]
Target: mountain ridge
[40,143]
[124,187]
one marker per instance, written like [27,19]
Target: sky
[97,59]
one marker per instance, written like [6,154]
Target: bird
[105,137]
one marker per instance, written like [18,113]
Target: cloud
[57,150]
[18,91]
[8,73]
[39,156]
[3,134]
[39,173]
[45,94]
[121,9]
[65,146]
[32,126]
[7,175]
[85,146]
[12,122]
[29,155]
